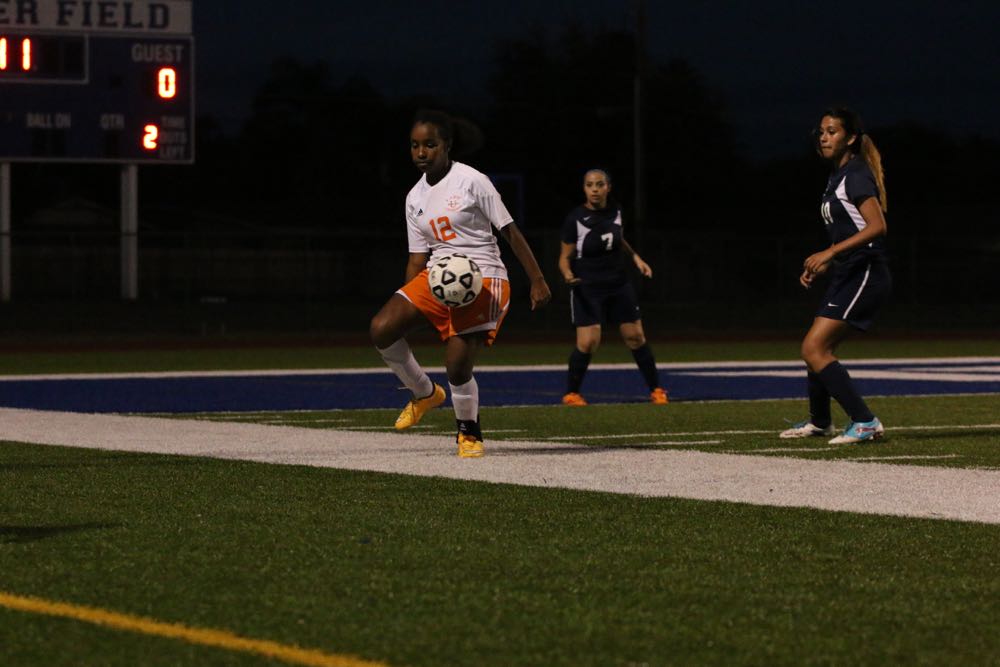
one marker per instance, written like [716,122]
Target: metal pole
[130,232]
[5,232]
[640,66]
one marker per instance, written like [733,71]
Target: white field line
[902,457]
[703,401]
[291,421]
[779,450]
[675,443]
[612,436]
[872,488]
[864,373]
[964,369]
[661,434]
[940,427]
[381,370]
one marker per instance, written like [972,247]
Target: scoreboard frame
[87,81]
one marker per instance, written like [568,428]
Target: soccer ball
[455,280]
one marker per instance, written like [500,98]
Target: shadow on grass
[21,534]
[102,459]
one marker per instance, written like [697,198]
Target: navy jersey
[848,187]
[597,235]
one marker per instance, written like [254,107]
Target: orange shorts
[484,314]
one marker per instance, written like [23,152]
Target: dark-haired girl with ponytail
[852,208]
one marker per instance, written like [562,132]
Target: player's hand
[572,280]
[644,268]
[540,293]
[818,262]
[806,279]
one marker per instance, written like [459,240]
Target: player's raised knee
[381,331]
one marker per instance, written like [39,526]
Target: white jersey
[457,214]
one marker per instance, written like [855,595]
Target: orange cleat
[574,399]
[415,409]
[469,446]
[659,396]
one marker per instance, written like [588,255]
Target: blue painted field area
[535,385]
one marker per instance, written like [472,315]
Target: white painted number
[825,212]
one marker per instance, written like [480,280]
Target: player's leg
[585,313]
[818,348]
[622,308]
[459,362]
[588,339]
[475,326]
[388,328]
[635,340]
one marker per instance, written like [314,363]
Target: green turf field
[960,431]
[426,571]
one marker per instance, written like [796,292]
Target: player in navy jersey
[452,208]
[591,261]
[852,209]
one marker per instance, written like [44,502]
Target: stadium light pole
[130,232]
[637,128]
[4,231]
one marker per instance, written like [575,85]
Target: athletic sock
[470,427]
[837,381]
[578,362]
[400,360]
[819,402]
[647,365]
[465,399]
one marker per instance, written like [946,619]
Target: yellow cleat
[415,409]
[659,396]
[469,447]
[574,399]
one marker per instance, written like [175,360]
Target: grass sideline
[417,571]
[426,571]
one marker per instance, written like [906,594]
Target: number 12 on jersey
[441,228]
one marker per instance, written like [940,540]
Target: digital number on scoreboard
[96,81]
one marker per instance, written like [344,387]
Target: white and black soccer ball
[455,280]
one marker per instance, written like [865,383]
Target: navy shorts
[856,293]
[598,304]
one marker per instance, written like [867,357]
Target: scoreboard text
[96,81]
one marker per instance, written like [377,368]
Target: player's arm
[644,268]
[540,292]
[875,226]
[415,264]
[565,252]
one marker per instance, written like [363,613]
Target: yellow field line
[204,636]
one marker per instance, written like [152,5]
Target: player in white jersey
[452,208]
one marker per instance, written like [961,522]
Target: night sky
[774,64]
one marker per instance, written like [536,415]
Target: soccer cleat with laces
[659,396]
[860,432]
[573,398]
[415,409]
[807,429]
[469,447]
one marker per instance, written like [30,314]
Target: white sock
[465,398]
[400,360]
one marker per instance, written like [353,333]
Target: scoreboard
[96,81]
